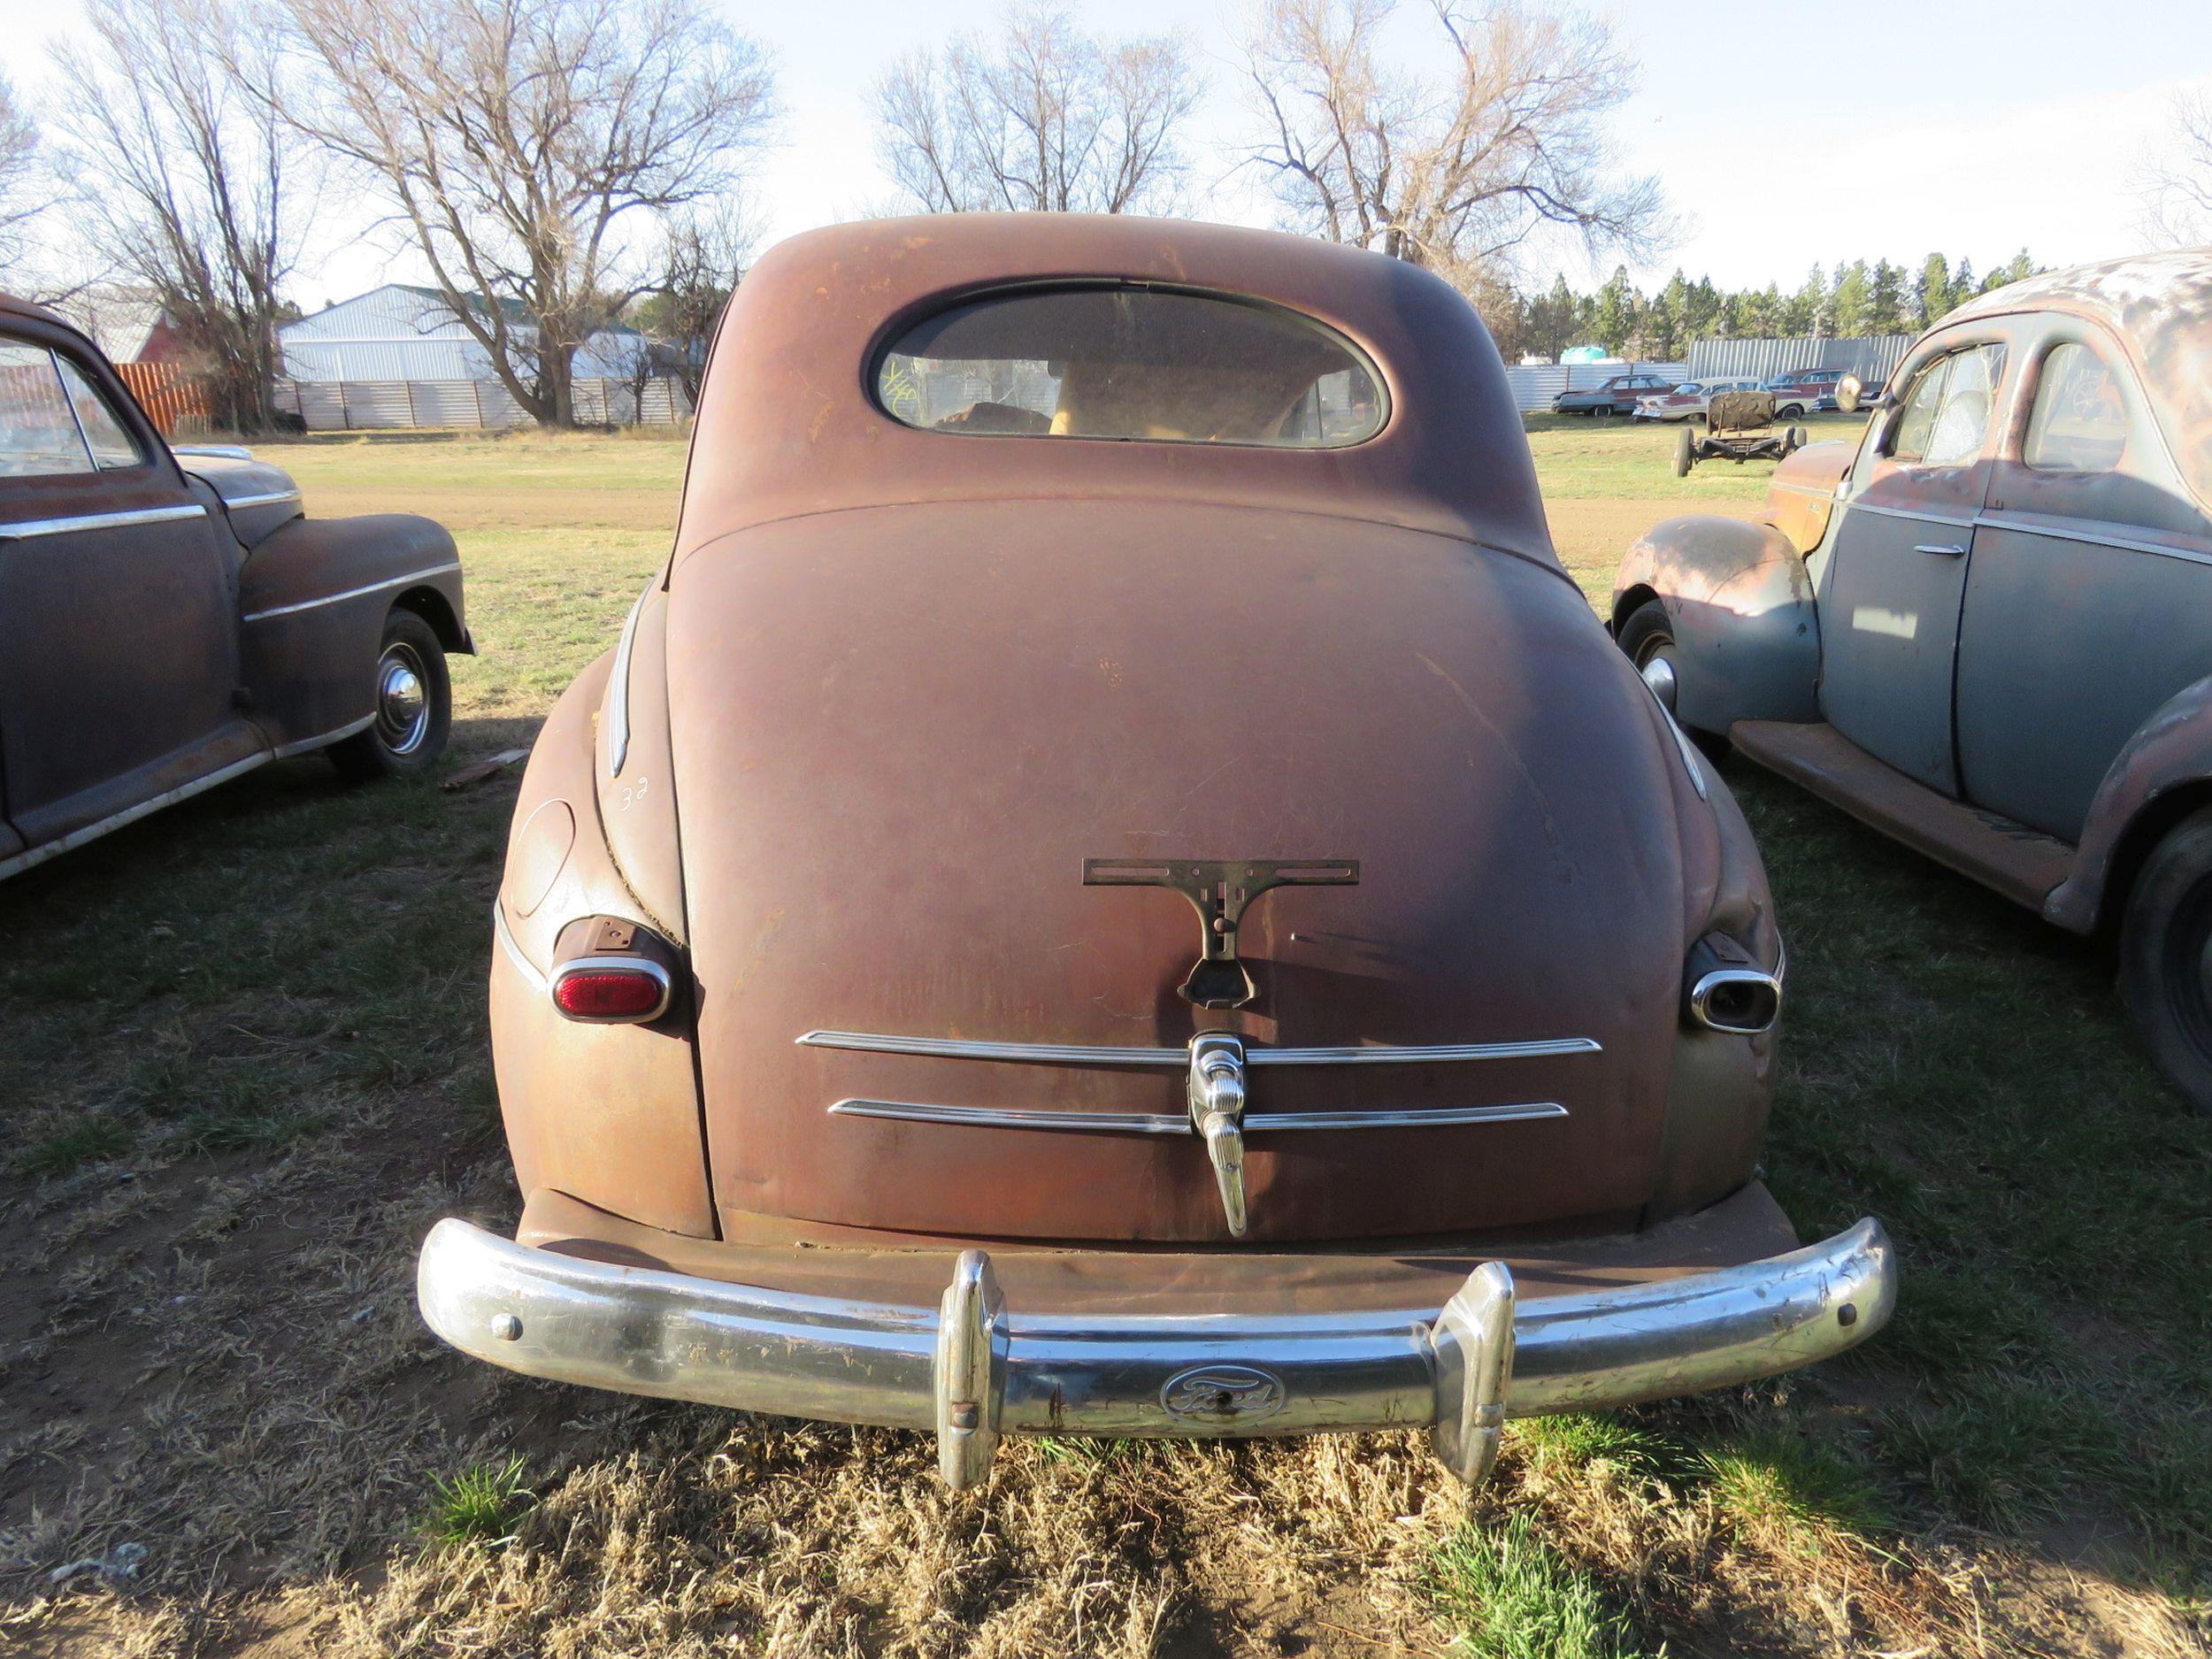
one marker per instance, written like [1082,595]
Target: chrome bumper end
[973,1368]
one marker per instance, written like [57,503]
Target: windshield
[1120,360]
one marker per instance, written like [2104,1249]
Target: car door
[2088,595]
[118,631]
[1891,591]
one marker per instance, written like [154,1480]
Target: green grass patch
[1505,1594]
[1777,1481]
[477,1507]
[85,1138]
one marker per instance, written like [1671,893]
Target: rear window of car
[1131,361]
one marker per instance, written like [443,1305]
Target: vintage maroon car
[170,619]
[1113,885]
[1983,628]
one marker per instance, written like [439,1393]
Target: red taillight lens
[610,993]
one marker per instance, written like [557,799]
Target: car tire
[413,712]
[1648,637]
[1791,411]
[2166,957]
[1685,450]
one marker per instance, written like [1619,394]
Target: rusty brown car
[172,618]
[1113,885]
[1983,628]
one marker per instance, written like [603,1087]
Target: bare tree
[1455,170]
[20,198]
[521,140]
[186,183]
[1046,119]
[2176,184]
[704,255]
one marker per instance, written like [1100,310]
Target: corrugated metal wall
[1870,357]
[389,405]
[1535,385]
[398,332]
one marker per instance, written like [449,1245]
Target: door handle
[1941,550]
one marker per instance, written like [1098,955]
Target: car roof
[788,423]
[2160,304]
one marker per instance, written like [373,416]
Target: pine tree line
[1857,299]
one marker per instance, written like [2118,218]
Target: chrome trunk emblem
[1220,889]
[1215,1090]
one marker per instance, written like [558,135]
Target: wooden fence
[166,391]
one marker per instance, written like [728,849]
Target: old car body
[1982,628]
[1617,396]
[1802,391]
[171,619]
[1692,398]
[1113,885]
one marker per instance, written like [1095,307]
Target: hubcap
[1658,672]
[403,709]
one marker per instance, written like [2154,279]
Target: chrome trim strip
[1692,761]
[1077,1054]
[219,451]
[1179,1123]
[44,850]
[1956,520]
[300,746]
[797,1354]
[528,968]
[269,498]
[618,702]
[627,965]
[2025,526]
[23,530]
[353,593]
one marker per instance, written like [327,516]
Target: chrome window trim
[23,530]
[44,850]
[351,592]
[1179,1123]
[617,703]
[1077,1054]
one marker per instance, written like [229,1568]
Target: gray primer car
[1987,628]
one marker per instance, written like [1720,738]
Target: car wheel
[2166,957]
[1792,411]
[1793,440]
[1647,639]
[413,709]
[1685,451]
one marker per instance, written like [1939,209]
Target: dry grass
[246,1067]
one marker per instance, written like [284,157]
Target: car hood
[897,734]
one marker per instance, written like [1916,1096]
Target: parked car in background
[1011,896]
[1802,391]
[1692,398]
[1871,391]
[1983,628]
[172,618]
[1615,396]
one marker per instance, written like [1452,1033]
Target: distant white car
[1692,398]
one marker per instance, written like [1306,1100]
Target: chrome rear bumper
[973,1368]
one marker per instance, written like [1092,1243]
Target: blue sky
[1885,128]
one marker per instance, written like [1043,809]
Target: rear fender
[1747,636]
[2162,773]
[608,1113]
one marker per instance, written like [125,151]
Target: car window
[111,441]
[1969,395]
[38,436]
[2080,420]
[1125,361]
[1948,406]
